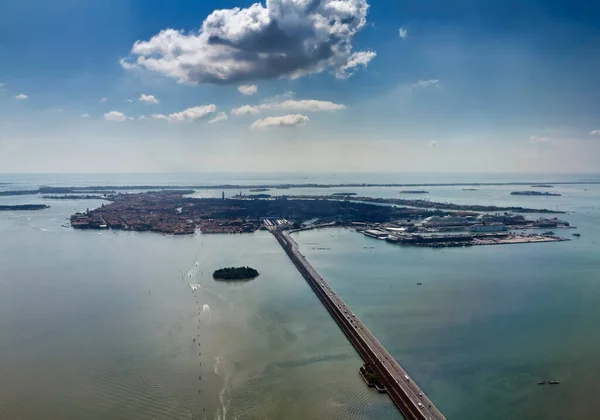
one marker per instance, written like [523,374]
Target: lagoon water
[120,325]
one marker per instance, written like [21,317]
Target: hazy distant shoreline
[98,188]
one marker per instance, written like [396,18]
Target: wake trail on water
[206,310]
[224,400]
[216,366]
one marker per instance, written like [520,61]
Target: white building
[489,228]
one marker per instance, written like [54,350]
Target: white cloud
[288,94]
[21,97]
[115,116]
[221,116]
[595,133]
[307,105]
[85,115]
[248,89]
[103,100]
[540,139]
[310,105]
[194,113]
[403,32]
[432,143]
[130,101]
[245,110]
[291,120]
[285,38]
[148,99]
[128,66]
[543,144]
[142,117]
[190,114]
[357,59]
[425,84]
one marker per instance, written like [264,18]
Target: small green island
[235,273]
[25,207]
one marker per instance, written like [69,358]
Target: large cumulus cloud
[284,38]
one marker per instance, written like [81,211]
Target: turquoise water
[98,325]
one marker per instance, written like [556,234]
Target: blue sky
[469,86]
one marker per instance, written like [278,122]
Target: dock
[403,391]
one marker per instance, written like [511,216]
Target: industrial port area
[458,231]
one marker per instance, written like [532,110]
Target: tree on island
[235,273]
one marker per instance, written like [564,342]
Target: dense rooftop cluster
[172,212]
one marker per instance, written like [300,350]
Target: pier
[404,392]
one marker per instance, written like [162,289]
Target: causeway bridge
[404,392]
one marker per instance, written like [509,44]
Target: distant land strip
[425,204]
[24,207]
[74,197]
[18,192]
[101,188]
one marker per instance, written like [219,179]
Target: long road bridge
[404,392]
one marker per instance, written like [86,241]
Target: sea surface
[122,325]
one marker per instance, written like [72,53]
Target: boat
[542,383]
[419,284]
[577,235]
[553,382]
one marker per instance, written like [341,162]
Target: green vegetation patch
[235,273]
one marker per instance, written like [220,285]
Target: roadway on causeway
[404,392]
